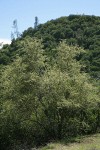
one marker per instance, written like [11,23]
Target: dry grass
[84,143]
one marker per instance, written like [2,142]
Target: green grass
[83,143]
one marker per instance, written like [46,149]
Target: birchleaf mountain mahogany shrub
[40,102]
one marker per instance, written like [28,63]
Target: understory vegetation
[84,143]
[48,92]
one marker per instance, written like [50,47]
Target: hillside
[45,93]
[81,30]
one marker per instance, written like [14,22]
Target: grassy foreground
[83,143]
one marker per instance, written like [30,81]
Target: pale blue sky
[26,10]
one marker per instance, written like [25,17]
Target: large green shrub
[41,101]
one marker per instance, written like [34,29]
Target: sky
[25,11]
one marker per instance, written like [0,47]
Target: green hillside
[81,30]
[46,92]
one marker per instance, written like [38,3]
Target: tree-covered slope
[78,30]
[81,30]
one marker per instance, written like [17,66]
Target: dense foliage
[46,92]
[81,30]
[43,99]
